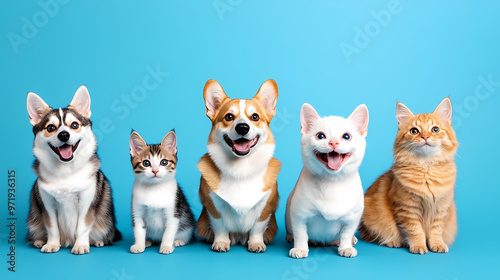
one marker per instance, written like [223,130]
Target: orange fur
[412,203]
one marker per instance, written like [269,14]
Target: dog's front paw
[38,244]
[98,244]
[80,250]
[50,248]
[166,249]
[289,238]
[220,246]
[348,252]
[418,249]
[298,253]
[179,243]
[257,247]
[136,249]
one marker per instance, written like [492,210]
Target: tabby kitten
[412,204]
[160,211]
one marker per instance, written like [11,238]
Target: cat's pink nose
[425,137]
[334,143]
[155,171]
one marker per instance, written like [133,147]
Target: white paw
[149,243]
[50,248]
[38,243]
[298,253]
[179,243]
[166,249]
[98,244]
[257,247]
[80,249]
[220,246]
[348,252]
[136,249]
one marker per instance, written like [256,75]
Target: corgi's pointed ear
[360,119]
[403,114]
[308,117]
[214,96]
[81,102]
[137,144]
[268,96]
[37,108]
[443,111]
[169,142]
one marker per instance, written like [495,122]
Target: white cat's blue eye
[163,162]
[346,136]
[320,135]
[146,163]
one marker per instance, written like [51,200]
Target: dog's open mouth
[241,146]
[332,160]
[65,152]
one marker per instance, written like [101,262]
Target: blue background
[426,51]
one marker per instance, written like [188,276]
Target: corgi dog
[326,205]
[70,202]
[238,188]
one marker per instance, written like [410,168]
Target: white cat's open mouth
[65,152]
[241,146]
[332,160]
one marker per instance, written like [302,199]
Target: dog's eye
[346,136]
[229,117]
[163,162]
[75,125]
[414,131]
[146,163]
[51,128]
[435,129]
[320,135]
[255,117]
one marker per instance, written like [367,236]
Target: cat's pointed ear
[360,119]
[307,118]
[268,96]
[443,111]
[169,142]
[403,114]
[137,144]
[214,96]
[81,102]
[37,108]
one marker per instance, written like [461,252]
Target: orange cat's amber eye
[414,131]
[435,129]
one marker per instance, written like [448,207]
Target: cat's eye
[163,162]
[346,136]
[51,128]
[146,163]
[414,131]
[255,117]
[75,125]
[320,135]
[229,117]
[435,129]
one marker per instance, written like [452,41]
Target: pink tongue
[242,146]
[66,151]
[334,161]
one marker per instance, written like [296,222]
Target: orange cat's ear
[403,114]
[360,118]
[443,111]
[137,144]
[307,118]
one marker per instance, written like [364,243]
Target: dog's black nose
[242,128]
[63,136]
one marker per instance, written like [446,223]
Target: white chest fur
[161,195]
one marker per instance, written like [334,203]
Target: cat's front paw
[439,248]
[80,249]
[289,238]
[179,243]
[220,246]
[38,244]
[394,244]
[136,249]
[297,253]
[98,244]
[418,249]
[257,247]
[50,248]
[166,249]
[348,252]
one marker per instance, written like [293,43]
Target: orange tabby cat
[412,203]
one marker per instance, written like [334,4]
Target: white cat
[327,202]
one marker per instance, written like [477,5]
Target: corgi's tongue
[242,145]
[66,151]
[334,160]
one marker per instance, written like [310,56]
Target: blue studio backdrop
[145,64]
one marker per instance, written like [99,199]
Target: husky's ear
[137,144]
[169,142]
[307,118]
[360,119]
[443,111]
[81,102]
[268,96]
[214,96]
[37,108]
[403,114]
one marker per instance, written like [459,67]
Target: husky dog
[70,202]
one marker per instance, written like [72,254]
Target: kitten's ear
[214,96]
[137,144]
[307,118]
[403,114]
[360,119]
[81,102]
[169,142]
[268,96]
[37,108]
[443,111]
